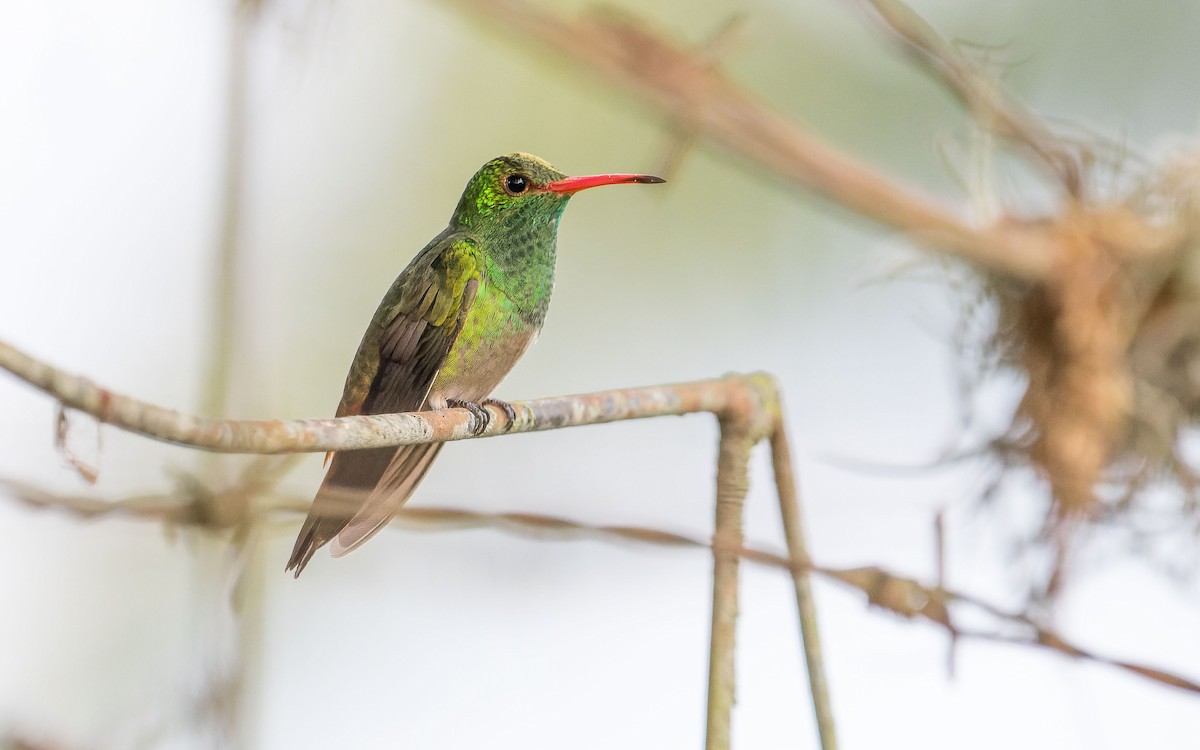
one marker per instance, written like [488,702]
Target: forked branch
[747,408]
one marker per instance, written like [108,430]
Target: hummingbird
[452,325]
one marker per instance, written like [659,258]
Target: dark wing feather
[400,355]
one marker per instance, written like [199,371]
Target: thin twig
[992,107]
[164,508]
[902,596]
[793,529]
[222,341]
[231,698]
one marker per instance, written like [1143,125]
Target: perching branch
[733,481]
[720,396]
[747,408]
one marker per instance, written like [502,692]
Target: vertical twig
[222,339]
[732,483]
[793,529]
[247,602]
[222,348]
[939,530]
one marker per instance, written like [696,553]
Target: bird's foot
[480,417]
[505,407]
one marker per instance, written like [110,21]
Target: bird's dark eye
[516,184]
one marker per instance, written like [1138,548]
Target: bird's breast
[494,336]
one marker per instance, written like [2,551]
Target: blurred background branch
[691,91]
[887,590]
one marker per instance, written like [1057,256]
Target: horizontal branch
[750,396]
[689,89]
[898,594]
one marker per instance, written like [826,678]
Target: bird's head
[521,190]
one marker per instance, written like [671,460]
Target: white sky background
[368,117]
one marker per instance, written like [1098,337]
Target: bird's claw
[505,407]
[480,417]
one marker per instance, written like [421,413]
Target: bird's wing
[413,330]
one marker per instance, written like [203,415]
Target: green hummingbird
[448,330]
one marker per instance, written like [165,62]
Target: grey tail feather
[307,543]
[347,485]
[397,484]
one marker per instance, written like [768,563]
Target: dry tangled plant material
[1107,339]
[1070,331]
[1108,345]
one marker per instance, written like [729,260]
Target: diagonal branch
[689,90]
[797,545]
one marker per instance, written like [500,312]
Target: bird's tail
[403,474]
[360,494]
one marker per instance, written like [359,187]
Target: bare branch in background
[895,593]
[227,700]
[62,433]
[222,342]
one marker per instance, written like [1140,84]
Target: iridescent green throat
[517,234]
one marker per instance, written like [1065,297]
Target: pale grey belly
[477,370]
